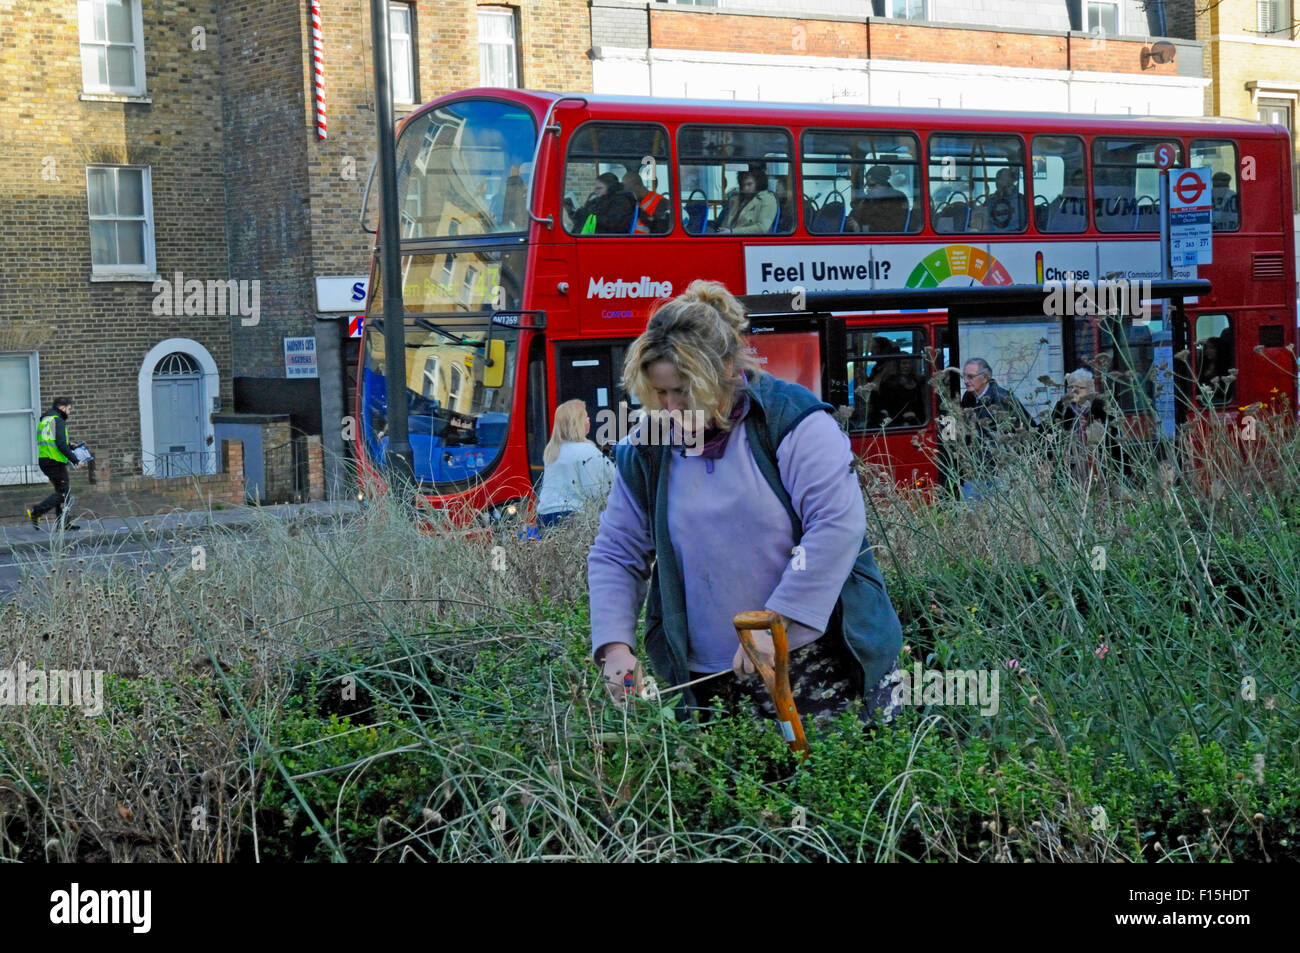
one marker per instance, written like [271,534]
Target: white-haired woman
[1081,417]
[763,511]
[576,471]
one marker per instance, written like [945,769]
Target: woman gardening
[763,511]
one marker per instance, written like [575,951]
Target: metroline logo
[647,287]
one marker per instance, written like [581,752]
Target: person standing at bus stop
[765,512]
[993,411]
[55,456]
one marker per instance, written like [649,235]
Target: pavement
[20,537]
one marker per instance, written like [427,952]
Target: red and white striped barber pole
[318,68]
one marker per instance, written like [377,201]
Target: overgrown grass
[378,693]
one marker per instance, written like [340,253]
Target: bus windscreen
[457,425]
[466,169]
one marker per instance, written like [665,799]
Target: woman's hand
[618,661]
[741,663]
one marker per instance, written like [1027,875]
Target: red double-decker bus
[552,223]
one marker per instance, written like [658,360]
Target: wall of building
[96,333]
[703,53]
[267,119]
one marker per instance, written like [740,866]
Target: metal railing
[182,464]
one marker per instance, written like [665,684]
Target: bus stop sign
[1165,155]
[1190,185]
[1190,207]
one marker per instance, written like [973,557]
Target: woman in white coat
[576,471]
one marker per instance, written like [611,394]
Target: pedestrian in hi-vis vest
[55,458]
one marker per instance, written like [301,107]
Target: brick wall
[277,454]
[315,469]
[553,39]
[898,41]
[183,491]
[266,115]
[101,331]
[1231,65]
[681,30]
[188,492]
[1181,19]
[1114,56]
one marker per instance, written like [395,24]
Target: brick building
[172,206]
[113,178]
[182,228]
[1052,55]
[1252,59]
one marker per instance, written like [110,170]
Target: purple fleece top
[733,540]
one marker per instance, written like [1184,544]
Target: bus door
[890,400]
[1241,359]
[593,373]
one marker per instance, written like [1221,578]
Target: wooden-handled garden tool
[777,680]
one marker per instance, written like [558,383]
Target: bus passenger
[752,211]
[770,470]
[1227,210]
[1007,205]
[653,216]
[607,210]
[882,208]
[576,471]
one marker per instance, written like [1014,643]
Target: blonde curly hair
[700,334]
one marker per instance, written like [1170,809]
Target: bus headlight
[499,513]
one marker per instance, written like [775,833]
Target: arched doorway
[178,379]
[178,416]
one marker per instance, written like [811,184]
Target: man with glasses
[992,410]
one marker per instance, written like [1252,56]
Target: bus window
[1216,359]
[976,183]
[457,426]
[468,163]
[887,381]
[1126,184]
[1220,155]
[736,180]
[463,281]
[616,180]
[860,182]
[1060,189]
